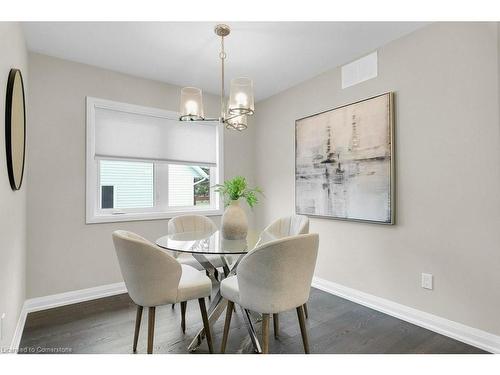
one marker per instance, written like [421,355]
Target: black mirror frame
[8,127]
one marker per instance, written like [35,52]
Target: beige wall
[64,253]
[12,203]
[445,77]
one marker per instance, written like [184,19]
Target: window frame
[160,210]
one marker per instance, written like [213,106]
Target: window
[126,184]
[107,196]
[188,186]
[143,164]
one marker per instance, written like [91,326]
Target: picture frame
[349,173]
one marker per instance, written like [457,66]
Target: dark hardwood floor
[335,325]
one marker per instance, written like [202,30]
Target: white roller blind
[129,135]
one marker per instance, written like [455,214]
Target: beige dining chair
[284,227]
[155,278]
[193,223]
[272,278]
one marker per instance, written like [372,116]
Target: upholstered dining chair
[154,278]
[284,227]
[193,223]
[273,277]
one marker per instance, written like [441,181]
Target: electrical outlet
[2,318]
[427,281]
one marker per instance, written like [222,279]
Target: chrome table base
[251,330]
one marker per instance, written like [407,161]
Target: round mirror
[15,128]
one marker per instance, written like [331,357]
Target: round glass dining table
[202,243]
[207,242]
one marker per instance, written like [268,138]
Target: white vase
[234,222]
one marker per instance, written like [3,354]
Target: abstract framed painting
[344,162]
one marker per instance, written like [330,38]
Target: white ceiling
[276,55]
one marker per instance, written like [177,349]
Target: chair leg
[151,328]
[302,323]
[183,316]
[276,325]
[138,318]
[265,333]
[206,324]
[173,305]
[305,310]
[227,323]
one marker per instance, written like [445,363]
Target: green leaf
[236,188]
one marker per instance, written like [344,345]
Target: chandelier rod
[222,56]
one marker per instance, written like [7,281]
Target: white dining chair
[272,278]
[284,227]
[193,223]
[154,278]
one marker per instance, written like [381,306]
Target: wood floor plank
[335,325]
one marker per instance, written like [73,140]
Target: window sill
[116,218]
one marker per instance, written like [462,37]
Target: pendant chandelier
[234,111]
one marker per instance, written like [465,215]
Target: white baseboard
[457,331]
[61,299]
[18,333]
[75,296]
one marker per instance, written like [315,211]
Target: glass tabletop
[207,242]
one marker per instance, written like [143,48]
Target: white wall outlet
[427,281]
[2,318]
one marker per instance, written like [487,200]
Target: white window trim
[93,214]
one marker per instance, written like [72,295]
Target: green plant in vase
[237,188]
[234,220]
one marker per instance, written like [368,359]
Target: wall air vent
[360,70]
